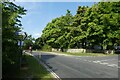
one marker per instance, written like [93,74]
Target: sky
[40,13]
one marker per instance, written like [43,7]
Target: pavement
[80,66]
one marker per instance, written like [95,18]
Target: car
[117,50]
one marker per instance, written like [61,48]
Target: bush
[11,58]
[46,48]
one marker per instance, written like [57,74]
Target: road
[81,66]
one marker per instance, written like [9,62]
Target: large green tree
[109,23]
[56,33]
[79,28]
[96,25]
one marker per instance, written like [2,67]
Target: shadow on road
[45,57]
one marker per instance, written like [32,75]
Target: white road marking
[100,62]
[104,63]
[96,61]
[107,60]
[48,69]
[112,65]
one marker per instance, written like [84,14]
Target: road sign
[21,35]
[20,43]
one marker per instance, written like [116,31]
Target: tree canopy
[96,25]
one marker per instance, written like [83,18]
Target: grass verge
[87,54]
[83,54]
[32,69]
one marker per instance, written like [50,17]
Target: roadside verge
[56,77]
[79,54]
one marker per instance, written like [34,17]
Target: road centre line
[101,62]
[104,63]
[112,65]
[96,61]
[107,59]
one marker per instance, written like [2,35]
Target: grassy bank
[32,69]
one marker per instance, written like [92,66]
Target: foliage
[96,25]
[11,14]
[55,32]
[28,42]
[34,70]
[46,48]
[39,43]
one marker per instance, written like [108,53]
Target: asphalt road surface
[81,66]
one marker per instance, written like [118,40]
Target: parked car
[117,49]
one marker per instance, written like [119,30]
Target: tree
[110,21]
[96,25]
[28,42]
[55,32]
[79,28]
[11,14]
[51,33]
[66,27]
